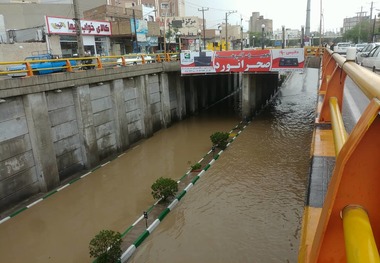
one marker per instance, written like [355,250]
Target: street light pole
[220,38]
[262,36]
[283,37]
[199,39]
[179,41]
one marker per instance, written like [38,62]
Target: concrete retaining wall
[54,126]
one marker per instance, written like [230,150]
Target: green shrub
[105,246]
[220,139]
[196,166]
[164,188]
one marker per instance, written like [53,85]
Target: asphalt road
[354,104]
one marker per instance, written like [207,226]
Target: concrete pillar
[41,138]
[145,107]
[192,94]
[213,87]
[120,115]
[230,86]
[181,98]
[85,118]
[246,96]
[165,100]
[260,86]
[203,92]
[236,80]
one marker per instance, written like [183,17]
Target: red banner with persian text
[242,61]
[193,62]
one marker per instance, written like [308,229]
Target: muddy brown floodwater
[246,208]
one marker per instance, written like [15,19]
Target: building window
[164,5]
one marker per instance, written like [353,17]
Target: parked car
[372,60]
[360,46]
[40,68]
[364,52]
[134,59]
[341,48]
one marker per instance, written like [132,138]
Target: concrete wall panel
[13,184]
[101,104]
[16,164]
[69,144]
[103,117]
[62,115]
[14,147]
[13,128]
[64,130]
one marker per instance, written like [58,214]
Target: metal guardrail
[313,51]
[355,179]
[83,63]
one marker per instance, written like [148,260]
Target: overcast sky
[291,13]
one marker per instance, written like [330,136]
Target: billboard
[141,29]
[66,26]
[193,62]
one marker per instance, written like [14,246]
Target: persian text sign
[242,61]
[66,26]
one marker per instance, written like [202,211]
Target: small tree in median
[105,246]
[164,188]
[220,139]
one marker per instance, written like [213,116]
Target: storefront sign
[193,62]
[141,29]
[66,26]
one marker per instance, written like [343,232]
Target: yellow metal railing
[75,63]
[358,236]
[355,178]
[339,132]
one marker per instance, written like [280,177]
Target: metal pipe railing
[358,236]
[339,132]
[366,80]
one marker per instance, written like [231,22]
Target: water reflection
[248,207]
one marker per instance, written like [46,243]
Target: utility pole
[370,38]
[204,25]
[134,25]
[360,21]
[320,24]
[78,28]
[227,14]
[307,32]
[241,32]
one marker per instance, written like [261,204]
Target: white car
[364,52]
[372,60]
[359,47]
[134,59]
[341,47]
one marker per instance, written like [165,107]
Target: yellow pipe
[358,236]
[339,132]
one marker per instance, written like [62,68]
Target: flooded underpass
[247,207]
